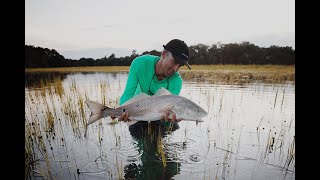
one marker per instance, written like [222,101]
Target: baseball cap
[179,51]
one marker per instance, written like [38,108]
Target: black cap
[179,51]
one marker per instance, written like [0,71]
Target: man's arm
[175,85]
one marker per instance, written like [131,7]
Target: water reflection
[153,166]
[40,79]
[248,133]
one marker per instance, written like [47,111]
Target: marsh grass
[284,91]
[103,87]
[258,129]
[275,99]
[73,85]
[270,147]
[42,108]
[291,154]
[38,141]
[240,74]
[221,100]
[71,113]
[50,119]
[225,74]
[119,168]
[57,85]
[43,89]
[29,149]
[82,111]
[42,116]
[160,149]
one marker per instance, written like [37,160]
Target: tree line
[233,53]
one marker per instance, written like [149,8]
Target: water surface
[248,133]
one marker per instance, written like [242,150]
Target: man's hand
[124,117]
[166,117]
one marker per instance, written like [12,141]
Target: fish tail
[96,111]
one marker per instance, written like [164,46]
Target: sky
[98,28]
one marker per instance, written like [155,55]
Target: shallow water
[248,133]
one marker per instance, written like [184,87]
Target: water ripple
[96,167]
[127,149]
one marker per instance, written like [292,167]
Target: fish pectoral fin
[132,122]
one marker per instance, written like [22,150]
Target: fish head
[189,110]
[195,112]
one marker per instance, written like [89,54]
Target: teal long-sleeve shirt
[142,78]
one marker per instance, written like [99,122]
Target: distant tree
[134,53]
[280,55]
[112,56]
[199,54]
[153,52]
[232,53]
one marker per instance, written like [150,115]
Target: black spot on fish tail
[124,110]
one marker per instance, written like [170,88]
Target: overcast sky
[97,28]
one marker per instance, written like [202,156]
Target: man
[149,73]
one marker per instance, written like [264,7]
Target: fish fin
[137,98]
[94,118]
[132,122]
[96,111]
[162,91]
[197,120]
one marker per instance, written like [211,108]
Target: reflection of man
[146,134]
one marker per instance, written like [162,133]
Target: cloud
[279,39]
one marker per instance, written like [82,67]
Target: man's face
[170,66]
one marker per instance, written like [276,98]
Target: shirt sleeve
[131,85]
